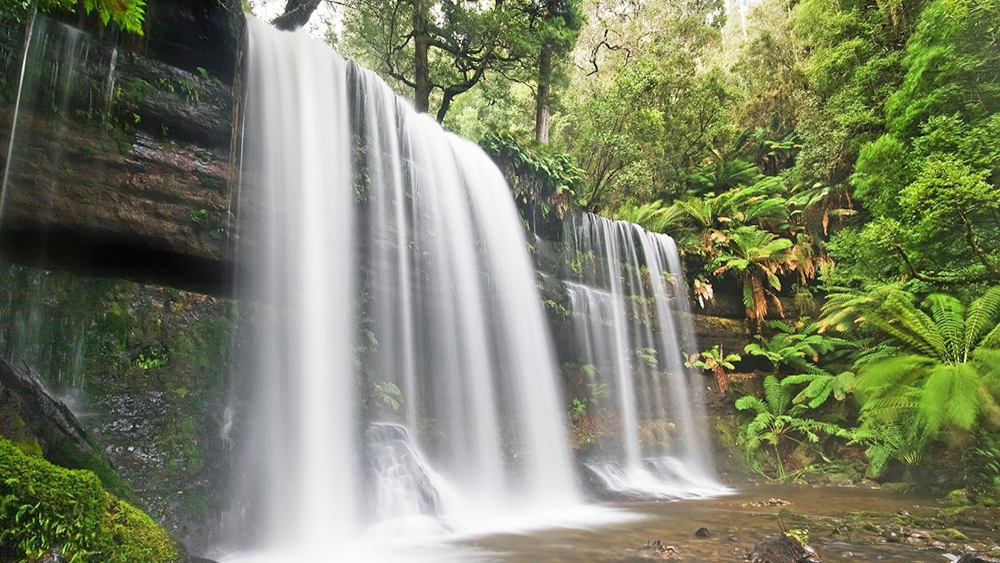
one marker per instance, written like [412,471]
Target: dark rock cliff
[121,164]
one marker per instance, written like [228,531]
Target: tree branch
[937,279]
[297,14]
[976,249]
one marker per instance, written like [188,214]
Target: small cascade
[403,487]
[399,368]
[48,82]
[633,329]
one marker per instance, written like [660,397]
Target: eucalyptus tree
[556,26]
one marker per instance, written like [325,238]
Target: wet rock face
[144,369]
[192,33]
[120,165]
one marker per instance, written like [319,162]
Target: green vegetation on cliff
[48,509]
[126,14]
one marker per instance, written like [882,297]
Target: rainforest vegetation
[835,164]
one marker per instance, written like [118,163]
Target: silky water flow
[401,379]
[397,379]
[633,331]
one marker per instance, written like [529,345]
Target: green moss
[45,508]
[958,497]
[13,428]
[136,537]
[952,534]
[896,487]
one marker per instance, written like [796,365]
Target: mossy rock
[975,516]
[951,534]
[12,426]
[896,487]
[958,497]
[45,508]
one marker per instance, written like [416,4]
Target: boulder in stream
[782,548]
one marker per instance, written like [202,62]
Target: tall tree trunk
[542,95]
[445,104]
[422,68]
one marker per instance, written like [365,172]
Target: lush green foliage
[537,174]
[126,14]
[944,376]
[777,420]
[44,508]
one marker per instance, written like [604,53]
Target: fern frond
[845,308]
[816,392]
[948,315]
[892,372]
[964,400]
[902,320]
[749,402]
[992,339]
[776,396]
[981,317]
[875,354]
[988,361]
[890,409]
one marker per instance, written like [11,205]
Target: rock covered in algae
[782,549]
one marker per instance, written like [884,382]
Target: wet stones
[766,503]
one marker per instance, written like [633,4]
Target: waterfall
[632,324]
[394,300]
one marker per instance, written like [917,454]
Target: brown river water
[736,522]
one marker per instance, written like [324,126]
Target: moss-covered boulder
[48,509]
[30,417]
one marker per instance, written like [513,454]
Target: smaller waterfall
[54,55]
[633,329]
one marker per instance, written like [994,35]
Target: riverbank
[843,524]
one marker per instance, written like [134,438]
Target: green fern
[776,421]
[943,374]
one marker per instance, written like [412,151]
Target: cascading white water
[389,256]
[54,54]
[632,324]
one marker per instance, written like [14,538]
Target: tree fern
[946,380]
